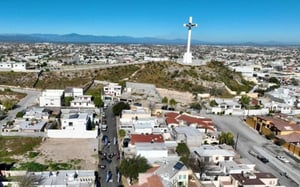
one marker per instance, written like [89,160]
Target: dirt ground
[64,150]
[180,97]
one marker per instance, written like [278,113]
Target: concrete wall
[51,133]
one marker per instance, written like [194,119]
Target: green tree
[131,167]
[20,114]
[172,102]
[274,80]
[97,101]
[8,104]
[165,100]
[122,133]
[226,138]
[117,108]
[245,100]
[196,106]
[184,152]
[213,103]
[67,101]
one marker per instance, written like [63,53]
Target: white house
[228,106]
[74,125]
[112,89]
[61,178]
[14,66]
[84,101]
[233,167]
[152,151]
[190,135]
[213,154]
[173,173]
[51,98]
[73,92]
[36,113]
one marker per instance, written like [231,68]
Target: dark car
[263,159]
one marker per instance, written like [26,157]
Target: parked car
[282,159]
[262,158]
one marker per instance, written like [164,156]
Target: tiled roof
[172,114]
[290,138]
[152,181]
[170,120]
[281,124]
[173,117]
[140,138]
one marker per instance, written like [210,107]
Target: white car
[282,159]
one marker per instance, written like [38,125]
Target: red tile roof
[171,121]
[290,138]
[143,138]
[172,114]
[173,117]
[153,181]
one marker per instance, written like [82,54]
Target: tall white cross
[187,57]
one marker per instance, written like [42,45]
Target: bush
[33,154]
[20,114]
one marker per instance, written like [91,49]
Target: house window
[183,176]
[70,124]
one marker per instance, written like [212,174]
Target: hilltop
[210,78]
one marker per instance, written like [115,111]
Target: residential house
[189,135]
[82,101]
[267,125]
[234,167]
[51,98]
[227,107]
[73,92]
[60,178]
[32,126]
[291,142]
[112,89]
[36,113]
[13,66]
[213,154]
[173,174]
[203,124]
[74,124]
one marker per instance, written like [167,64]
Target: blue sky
[218,20]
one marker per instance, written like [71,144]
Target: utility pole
[236,142]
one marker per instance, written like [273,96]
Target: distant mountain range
[78,38]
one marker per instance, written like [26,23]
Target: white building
[73,92]
[173,173]
[84,101]
[74,125]
[190,135]
[112,89]
[213,154]
[152,151]
[13,66]
[61,178]
[51,98]
[36,113]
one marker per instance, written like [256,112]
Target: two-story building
[51,98]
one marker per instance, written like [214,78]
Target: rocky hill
[210,78]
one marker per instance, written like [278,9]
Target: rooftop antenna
[187,57]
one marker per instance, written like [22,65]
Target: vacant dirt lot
[180,97]
[64,150]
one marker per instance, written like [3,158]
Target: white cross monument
[187,57]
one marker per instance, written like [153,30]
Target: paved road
[249,139]
[108,149]
[30,99]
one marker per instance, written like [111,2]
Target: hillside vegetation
[170,75]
